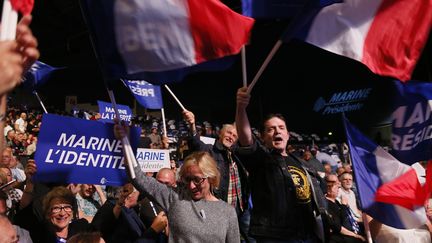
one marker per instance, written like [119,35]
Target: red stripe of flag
[217,30]
[397,36]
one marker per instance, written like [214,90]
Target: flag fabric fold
[413,193]
[147,94]
[387,36]
[161,41]
[411,121]
[23,6]
[374,168]
[38,74]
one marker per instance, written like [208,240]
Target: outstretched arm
[242,121]
[27,197]
[148,185]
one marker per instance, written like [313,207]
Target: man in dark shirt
[284,196]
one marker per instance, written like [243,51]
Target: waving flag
[387,36]
[271,8]
[160,41]
[279,8]
[147,94]
[38,75]
[412,121]
[23,6]
[374,168]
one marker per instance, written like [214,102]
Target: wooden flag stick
[129,154]
[244,64]
[163,122]
[264,65]
[175,97]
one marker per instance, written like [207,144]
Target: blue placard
[147,94]
[412,122]
[72,150]
[108,113]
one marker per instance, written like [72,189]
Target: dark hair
[85,237]
[59,192]
[173,155]
[112,192]
[270,116]
[3,196]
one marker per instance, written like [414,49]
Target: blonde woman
[194,213]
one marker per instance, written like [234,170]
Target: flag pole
[9,22]
[175,97]
[129,154]
[40,101]
[298,21]
[163,122]
[244,64]
[264,65]
[364,216]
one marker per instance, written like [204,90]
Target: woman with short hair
[59,207]
[194,213]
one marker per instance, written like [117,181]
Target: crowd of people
[248,186]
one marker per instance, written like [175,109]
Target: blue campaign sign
[147,94]
[412,122]
[152,160]
[108,113]
[72,150]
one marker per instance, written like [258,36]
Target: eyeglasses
[195,180]
[58,209]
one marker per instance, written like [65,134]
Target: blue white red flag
[38,75]
[374,169]
[147,94]
[387,36]
[160,41]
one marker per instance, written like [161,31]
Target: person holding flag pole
[288,204]
[128,152]
[18,50]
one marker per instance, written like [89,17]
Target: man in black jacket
[285,197]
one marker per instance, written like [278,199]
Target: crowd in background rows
[250,185]
[21,132]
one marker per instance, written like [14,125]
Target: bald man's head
[167,177]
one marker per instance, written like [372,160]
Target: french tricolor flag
[387,36]
[160,41]
[389,191]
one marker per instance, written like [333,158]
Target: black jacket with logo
[276,212]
